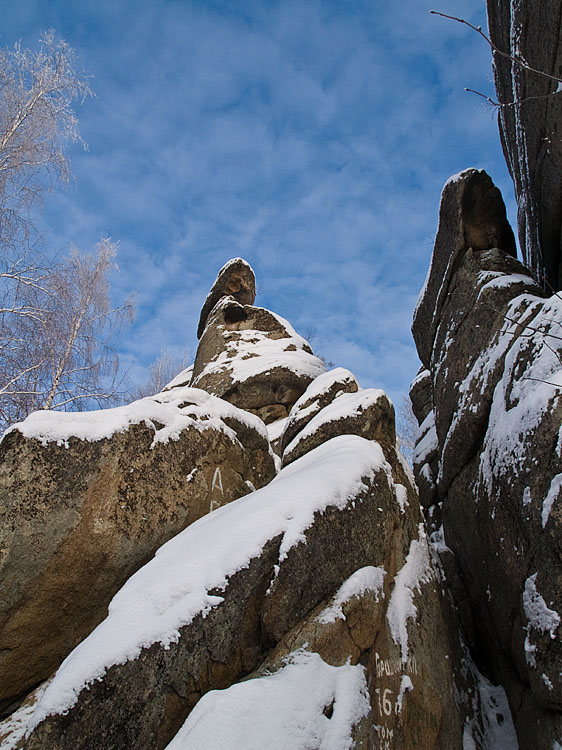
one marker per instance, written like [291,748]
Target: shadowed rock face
[489,462]
[530,129]
[471,214]
[235,279]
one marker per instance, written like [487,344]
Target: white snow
[426,442]
[497,716]
[552,495]
[276,429]
[502,280]
[250,352]
[416,571]
[14,728]
[322,384]
[522,398]
[422,375]
[283,710]
[365,580]
[406,685]
[166,413]
[540,617]
[182,379]
[346,405]
[173,587]
[401,494]
[459,176]
[437,541]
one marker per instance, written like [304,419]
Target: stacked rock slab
[529,120]
[86,499]
[250,356]
[319,589]
[488,458]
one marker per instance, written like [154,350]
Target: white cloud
[312,138]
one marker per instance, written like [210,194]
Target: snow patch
[401,494]
[405,686]
[14,728]
[345,406]
[365,580]
[276,429]
[426,442]
[306,704]
[322,384]
[182,379]
[540,617]
[250,352]
[552,495]
[416,571]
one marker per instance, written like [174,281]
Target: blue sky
[312,138]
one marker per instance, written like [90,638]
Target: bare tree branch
[517,60]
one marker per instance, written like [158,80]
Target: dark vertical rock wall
[530,122]
[489,456]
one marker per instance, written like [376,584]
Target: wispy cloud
[312,138]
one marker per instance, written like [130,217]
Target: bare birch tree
[163,370]
[56,321]
[59,356]
[37,92]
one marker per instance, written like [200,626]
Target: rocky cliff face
[530,114]
[305,609]
[488,459]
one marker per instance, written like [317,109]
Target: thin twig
[518,61]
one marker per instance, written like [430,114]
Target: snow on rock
[496,730]
[368,413]
[321,385]
[520,403]
[539,615]
[250,351]
[427,441]
[183,378]
[368,579]
[490,340]
[14,728]
[168,413]
[305,704]
[415,572]
[170,590]
[553,494]
[346,405]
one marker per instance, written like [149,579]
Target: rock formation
[488,460]
[315,605]
[86,499]
[530,114]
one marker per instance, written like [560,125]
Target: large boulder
[87,498]
[529,116]
[326,563]
[490,451]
